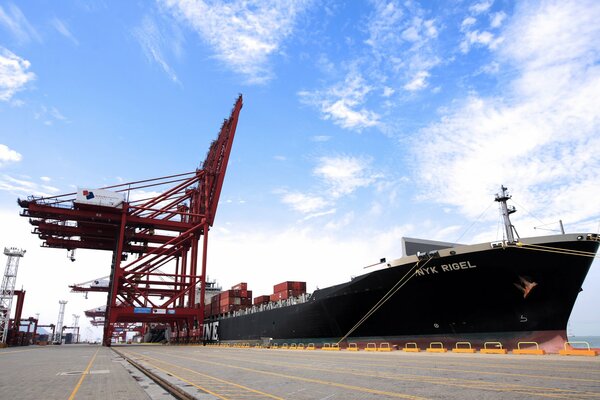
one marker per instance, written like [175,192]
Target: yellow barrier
[352,347]
[284,346]
[326,346]
[335,347]
[384,347]
[311,346]
[411,347]
[293,346]
[300,346]
[577,352]
[537,351]
[274,346]
[371,347]
[496,350]
[468,349]
[440,349]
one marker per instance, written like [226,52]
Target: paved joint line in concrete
[311,380]
[237,386]
[85,373]
[455,359]
[454,382]
[253,359]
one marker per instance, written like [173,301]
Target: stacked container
[288,289]
[262,300]
[237,298]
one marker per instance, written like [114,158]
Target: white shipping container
[100,197]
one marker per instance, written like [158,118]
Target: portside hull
[500,294]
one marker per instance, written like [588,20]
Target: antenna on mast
[506,210]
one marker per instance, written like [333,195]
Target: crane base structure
[161,233]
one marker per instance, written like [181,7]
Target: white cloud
[154,44]
[62,28]
[481,7]
[418,82]
[25,187]
[304,203]
[13,74]
[343,103]
[477,38]
[340,176]
[49,115]
[8,155]
[280,158]
[45,178]
[496,19]
[387,91]
[467,22]
[344,174]
[540,137]
[17,24]
[243,34]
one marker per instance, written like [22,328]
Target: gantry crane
[161,232]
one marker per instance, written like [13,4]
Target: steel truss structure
[162,233]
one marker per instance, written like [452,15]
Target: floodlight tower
[7,290]
[61,319]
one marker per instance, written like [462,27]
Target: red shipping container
[262,299]
[240,286]
[288,285]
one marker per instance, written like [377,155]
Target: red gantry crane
[163,232]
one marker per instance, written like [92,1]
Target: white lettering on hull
[211,331]
[445,268]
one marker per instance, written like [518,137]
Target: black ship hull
[479,293]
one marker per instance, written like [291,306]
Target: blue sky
[363,122]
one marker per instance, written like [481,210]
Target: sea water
[594,341]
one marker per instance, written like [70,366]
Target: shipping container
[240,286]
[262,299]
[289,285]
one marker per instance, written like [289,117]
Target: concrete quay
[208,372]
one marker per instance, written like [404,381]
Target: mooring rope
[412,271]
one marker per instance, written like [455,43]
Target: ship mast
[506,211]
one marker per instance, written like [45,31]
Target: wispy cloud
[343,103]
[155,44]
[14,74]
[393,62]
[344,174]
[304,203]
[243,34]
[8,155]
[61,27]
[50,115]
[401,38]
[17,24]
[25,186]
[338,176]
[484,36]
[481,6]
[540,136]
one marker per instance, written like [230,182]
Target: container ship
[509,291]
